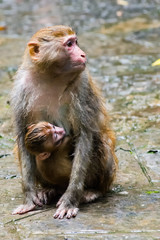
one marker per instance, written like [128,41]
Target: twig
[143,168]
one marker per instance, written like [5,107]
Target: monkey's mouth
[59,142]
[80,65]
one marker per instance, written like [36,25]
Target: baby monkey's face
[55,136]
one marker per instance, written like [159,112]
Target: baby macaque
[51,147]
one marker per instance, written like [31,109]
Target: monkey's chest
[52,109]
[46,106]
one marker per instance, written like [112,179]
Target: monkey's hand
[32,200]
[40,198]
[30,204]
[66,208]
[24,208]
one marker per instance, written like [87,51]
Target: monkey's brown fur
[52,85]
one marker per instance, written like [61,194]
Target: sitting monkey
[53,85]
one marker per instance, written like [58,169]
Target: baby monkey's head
[43,137]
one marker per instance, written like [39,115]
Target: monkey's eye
[69,43]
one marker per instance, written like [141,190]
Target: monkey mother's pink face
[76,55]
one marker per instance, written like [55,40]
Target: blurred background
[121,39]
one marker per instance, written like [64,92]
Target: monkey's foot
[90,196]
[46,195]
[24,208]
[69,212]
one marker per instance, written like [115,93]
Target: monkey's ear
[33,49]
[43,156]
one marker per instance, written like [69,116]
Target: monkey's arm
[68,203]
[84,116]
[28,168]
[27,161]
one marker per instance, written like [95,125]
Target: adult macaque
[52,85]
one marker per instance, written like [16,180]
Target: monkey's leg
[68,203]
[28,167]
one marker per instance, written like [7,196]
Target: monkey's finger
[42,196]
[60,213]
[45,198]
[72,212]
[56,214]
[51,195]
[59,203]
[37,202]
[39,195]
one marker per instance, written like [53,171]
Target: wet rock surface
[121,39]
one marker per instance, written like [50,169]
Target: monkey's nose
[83,55]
